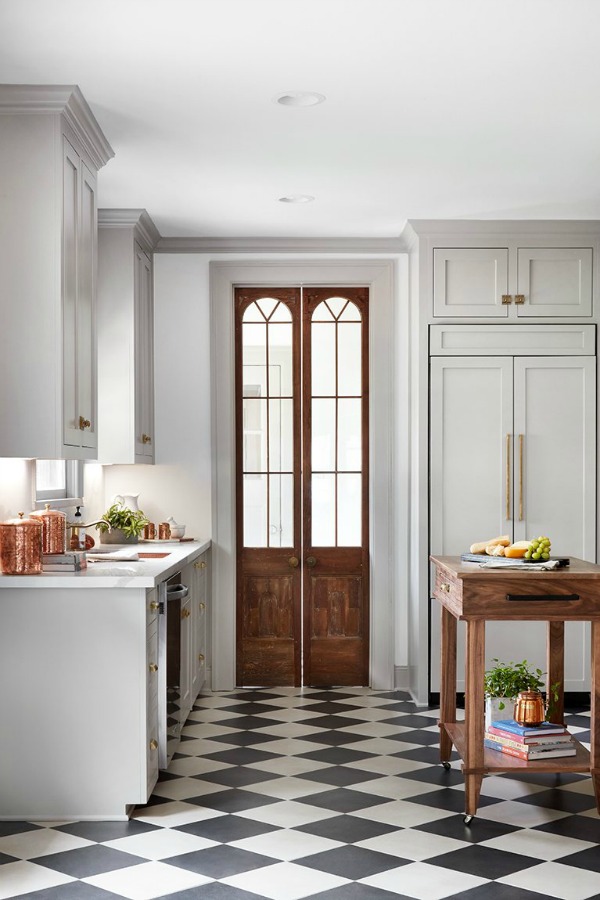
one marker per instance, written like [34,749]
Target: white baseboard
[401,678]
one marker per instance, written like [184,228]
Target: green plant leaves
[130,522]
[508,679]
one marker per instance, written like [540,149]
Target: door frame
[380,276]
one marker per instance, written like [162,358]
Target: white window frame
[73,494]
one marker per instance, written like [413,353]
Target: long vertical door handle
[508,477]
[520,478]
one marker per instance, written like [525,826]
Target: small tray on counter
[483,557]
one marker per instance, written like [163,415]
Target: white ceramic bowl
[177,531]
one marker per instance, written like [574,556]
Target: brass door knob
[201,657]
[146,439]
[294,562]
[84,423]
[154,606]
[153,667]
[153,744]
[311,562]
[201,606]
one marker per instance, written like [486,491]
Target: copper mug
[529,709]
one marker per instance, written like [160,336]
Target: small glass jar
[54,529]
[21,546]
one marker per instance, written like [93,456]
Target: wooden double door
[302,486]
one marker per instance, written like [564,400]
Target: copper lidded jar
[21,546]
[54,529]
[529,709]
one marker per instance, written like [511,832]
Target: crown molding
[138,219]
[278,245]
[511,227]
[64,99]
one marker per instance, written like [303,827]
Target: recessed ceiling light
[297,198]
[300,98]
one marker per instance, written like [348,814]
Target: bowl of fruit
[538,550]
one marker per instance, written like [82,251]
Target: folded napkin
[114,556]
[502,563]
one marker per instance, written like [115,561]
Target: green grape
[545,556]
[537,554]
[528,554]
[534,544]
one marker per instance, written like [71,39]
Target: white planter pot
[493,713]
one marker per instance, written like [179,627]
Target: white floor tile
[366,713]
[524,815]
[288,788]
[388,765]
[207,730]
[200,747]
[41,842]
[25,877]
[373,729]
[290,729]
[423,881]
[504,788]
[563,882]
[383,747]
[537,844]
[170,815]
[209,714]
[146,881]
[160,844]
[289,765]
[285,881]
[402,813]
[367,700]
[287,814]
[394,788]
[195,765]
[287,844]
[291,714]
[182,788]
[291,746]
[409,843]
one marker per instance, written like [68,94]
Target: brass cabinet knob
[444,586]
[311,562]
[200,565]
[201,606]
[519,299]
[294,562]
[506,299]
[84,423]
[154,606]
[201,657]
[146,439]
[185,613]
[153,667]
[153,744]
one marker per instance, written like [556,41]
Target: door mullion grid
[268,381]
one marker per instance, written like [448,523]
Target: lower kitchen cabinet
[194,632]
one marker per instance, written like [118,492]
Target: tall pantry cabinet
[51,148]
[509,320]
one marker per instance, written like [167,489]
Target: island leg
[474,714]
[595,712]
[447,683]
[555,644]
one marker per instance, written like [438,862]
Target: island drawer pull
[524,598]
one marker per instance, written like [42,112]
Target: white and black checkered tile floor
[336,794]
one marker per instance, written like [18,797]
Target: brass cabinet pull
[154,606]
[201,606]
[311,562]
[153,667]
[519,299]
[185,613]
[146,439]
[153,744]
[444,586]
[294,562]
[201,657]
[508,476]
[520,478]
[506,299]
[200,565]
[84,423]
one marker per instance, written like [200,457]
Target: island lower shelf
[495,761]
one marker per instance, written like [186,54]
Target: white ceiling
[435,108]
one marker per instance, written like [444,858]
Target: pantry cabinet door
[555,281]
[555,452]
[470,437]
[470,281]
[70,244]
[86,312]
[144,356]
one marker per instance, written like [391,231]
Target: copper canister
[529,709]
[21,546]
[54,529]
[164,531]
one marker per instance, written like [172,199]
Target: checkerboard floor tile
[289,793]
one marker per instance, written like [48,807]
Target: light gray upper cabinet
[51,149]
[126,239]
[512,282]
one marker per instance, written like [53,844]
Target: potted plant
[502,684]
[126,525]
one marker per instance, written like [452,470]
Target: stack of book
[70,561]
[540,742]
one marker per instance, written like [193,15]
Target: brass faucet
[76,528]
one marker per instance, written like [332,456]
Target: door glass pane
[280,357]
[349,359]
[323,510]
[322,313]
[255,435]
[281,436]
[267,305]
[254,358]
[255,510]
[281,314]
[349,435]
[323,358]
[351,313]
[349,510]
[281,510]
[323,435]
[336,305]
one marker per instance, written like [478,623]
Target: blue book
[545,728]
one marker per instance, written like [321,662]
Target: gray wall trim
[278,244]
[127,218]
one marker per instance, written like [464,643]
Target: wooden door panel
[337,607]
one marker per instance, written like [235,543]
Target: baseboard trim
[401,678]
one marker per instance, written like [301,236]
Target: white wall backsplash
[16,487]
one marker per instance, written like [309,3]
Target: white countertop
[144,573]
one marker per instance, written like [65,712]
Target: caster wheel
[446,765]
[467,820]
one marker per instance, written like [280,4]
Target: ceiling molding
[278,245]
[138,219]
[510,227]
[65,99]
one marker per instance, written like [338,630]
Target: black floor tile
[7,828]
[349,829]
[243,738]
[335,738]
[586,859]
[7,859]
[565,801]
[106,831]
[336,756]
[246,722]
[446,798]
[359,892]
[583,828]
[478,830]
[352,862]
[484,862]
[494,891]
[334,721]
[429,755]
[424,738]
[212,891]
[241,756]
[73,890]
[232,801]
[435,775]
[91,860]
[340,776]
[220,862]
[343,801]
[236,776]
[227,829]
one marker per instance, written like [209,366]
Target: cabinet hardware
[520,478]
[519,298]
[153,667]
[84,423]
[294,562]
[444,586]
[185,613]
[201,657]
[201,606]
[153,744]
[506,299]
[542,598]
[311,562]
[508,476]
[154,606]
[146,439]
[200,565]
